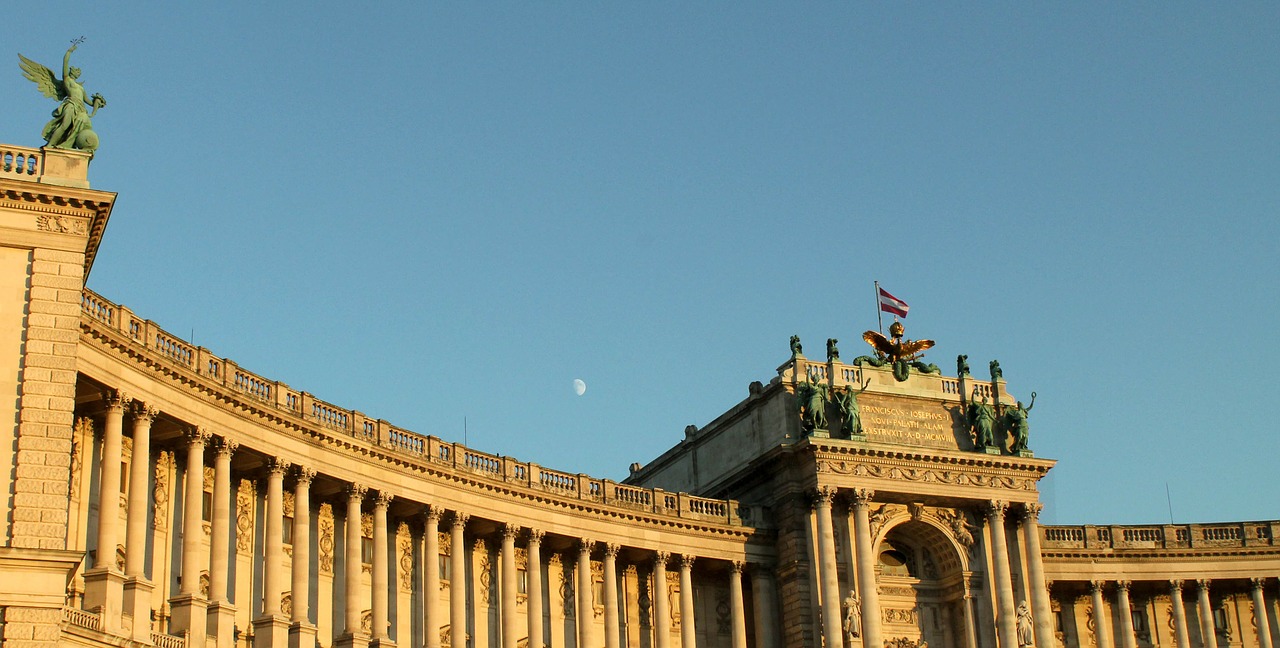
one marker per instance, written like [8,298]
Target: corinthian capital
[144,412]
[861,497]
[1031,512]
[995,509]
[306,475]
[197,435]
[116,399]
[824,496]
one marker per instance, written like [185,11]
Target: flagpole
[879,314]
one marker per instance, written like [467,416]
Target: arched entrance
[920,576]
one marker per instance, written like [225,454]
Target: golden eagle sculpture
[902,354]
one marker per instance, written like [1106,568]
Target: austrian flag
[891,304]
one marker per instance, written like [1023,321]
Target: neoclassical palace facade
[158,494]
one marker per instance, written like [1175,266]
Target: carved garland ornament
[160,493]
[927,475]
[325,518]
[404,541]
[244,516]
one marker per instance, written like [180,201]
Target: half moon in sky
[579,387]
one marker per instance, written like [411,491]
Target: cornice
[67,201]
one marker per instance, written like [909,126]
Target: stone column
[1006,612]
[508,611]
[189,608]
[104,583]
[867,588]
[458,581]
[612,629]
[737,611]
[1208,631]
[661,605]
[1260,612]
[1180,633]
[765,607]
[1125,610]
[137,587]
[381,616]
[302,634]
[1101,622]
[352,636]
[688,631]
[586,613]
[221,616]
[1041,608]
[829,579]
[970,625]
[271,629]
[431,573]
[535,589]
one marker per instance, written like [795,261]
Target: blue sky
[431,212]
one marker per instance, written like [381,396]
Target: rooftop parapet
[1224,535]
[98,312]
[61,167]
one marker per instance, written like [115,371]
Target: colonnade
[211,612]
[865,555]
[1123,609]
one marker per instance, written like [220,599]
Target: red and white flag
[891,304]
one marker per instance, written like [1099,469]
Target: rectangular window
[522,581]
[206,506]
[124,478]
[446,568]
[286,533]
[366,551]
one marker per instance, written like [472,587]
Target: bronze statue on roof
[71,127]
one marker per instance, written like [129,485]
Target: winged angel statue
[70,127]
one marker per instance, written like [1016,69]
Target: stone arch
[920,570]
[930,532]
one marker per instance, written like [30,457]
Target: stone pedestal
[189,613]
[302,636]
[271,631]
[221,620]
[35,587]
[104,592]
[382,643]
[348,640]
[137,604]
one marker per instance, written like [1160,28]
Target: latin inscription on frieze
[912,422]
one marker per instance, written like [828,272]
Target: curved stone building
[159,494]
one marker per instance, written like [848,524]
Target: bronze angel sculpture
[70,127]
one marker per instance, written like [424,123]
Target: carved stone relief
[404,542]
[927,475]
[160,492]
[244,516]
[326,538]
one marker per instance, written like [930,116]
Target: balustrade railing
[838,374]
[1168,536]
[101,312]
[21,162]
[168,641]
[82,618]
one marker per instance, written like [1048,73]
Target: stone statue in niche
[852,617]
[1026,626]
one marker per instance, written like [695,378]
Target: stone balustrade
[1167,536]
[101,313]
[838,374]
[21,162]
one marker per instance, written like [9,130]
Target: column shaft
[661,604]
[380,616]
[193,502]
[688,629]
[1260,613]
[135,544]
[737,610]
[1125,609]
[535,589]
[1006,612]
[612,629]
[1041,608]
[273,554]
[109,483]
[586,611]
[867,588]
[829,579]
[300,589]
[508,568]
[431,573]
[765,608]
[1101,621]
[220,525]
[1180,632]
[1208,630]
[458,581]
[351,600]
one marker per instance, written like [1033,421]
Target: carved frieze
[60,224]
[905,616]
[926,475]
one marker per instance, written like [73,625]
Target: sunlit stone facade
[159,494]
